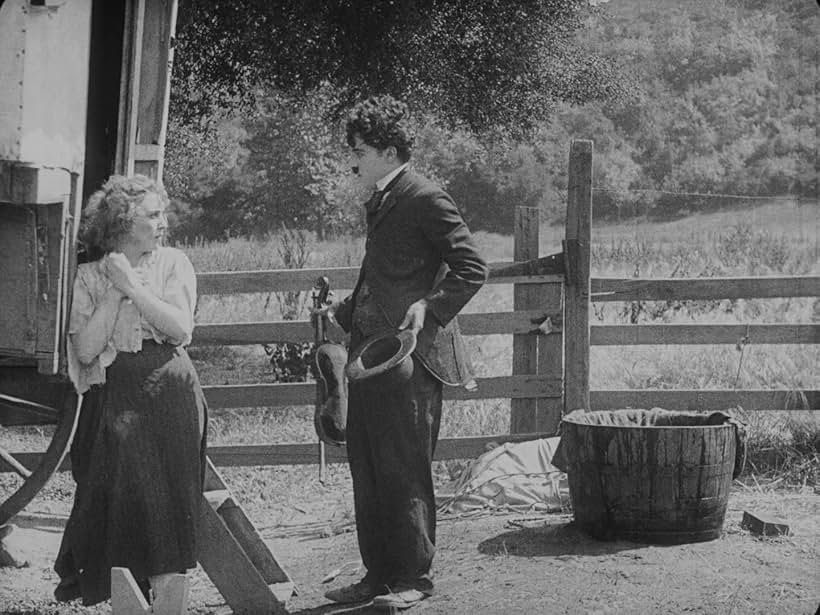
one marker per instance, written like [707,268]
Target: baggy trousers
[392,431]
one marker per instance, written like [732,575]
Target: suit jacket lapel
[389,201]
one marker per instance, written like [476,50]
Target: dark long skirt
[392,430]
[138,460]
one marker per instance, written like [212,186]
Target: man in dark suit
[420,268]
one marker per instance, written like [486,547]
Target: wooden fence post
[534,354]
[525,347]
[577,257]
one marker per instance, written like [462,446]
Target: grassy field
[777,238]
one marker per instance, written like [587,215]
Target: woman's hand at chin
[122,275]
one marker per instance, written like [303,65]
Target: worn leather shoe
[68,590]
[400,599]
[357,592]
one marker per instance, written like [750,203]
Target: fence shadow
[551,540]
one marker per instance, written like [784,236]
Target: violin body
[330,416]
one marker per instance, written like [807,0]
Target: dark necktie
[374,202]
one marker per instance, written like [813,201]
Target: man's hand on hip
[414,318]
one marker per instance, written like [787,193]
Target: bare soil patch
[494,563]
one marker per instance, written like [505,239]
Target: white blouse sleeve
[82,308]
[179,288]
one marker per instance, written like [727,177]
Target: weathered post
[145,92]
[534,354]
[523,412]
[577,257]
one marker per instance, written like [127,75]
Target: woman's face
[150,224]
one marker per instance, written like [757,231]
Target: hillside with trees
[707,96]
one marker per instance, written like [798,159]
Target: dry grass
[774,239]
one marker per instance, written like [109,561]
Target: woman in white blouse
[138,456]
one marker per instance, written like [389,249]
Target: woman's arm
[90,340]
[172,320]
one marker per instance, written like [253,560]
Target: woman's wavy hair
[381,121]
[109,215]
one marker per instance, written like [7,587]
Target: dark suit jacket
[417,246]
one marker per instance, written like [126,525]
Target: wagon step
[235,557]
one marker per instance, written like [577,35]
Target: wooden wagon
[85,94]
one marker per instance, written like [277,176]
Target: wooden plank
[51,253]
[304,393]
[154,86]
[279,280]
[69,267]
[126,596]
[633,335]
[297,454]
[249,333]
[603,289]
[669,289]
[551,362]
[229,567]
[577,248]
[470,447]
[525,297]
[18,285]
[153,75]
[147,152]
[244,531]
[129,87]
[171,7]
[715,399]
[305,453]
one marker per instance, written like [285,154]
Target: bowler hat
[384,353]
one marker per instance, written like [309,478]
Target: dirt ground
[493,563]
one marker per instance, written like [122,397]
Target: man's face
[370,164]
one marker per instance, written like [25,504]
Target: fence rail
[681,335]
[603,288]
[208,334]
[306,453]
[705,399]
[304,393]
[680,289]
[282,280]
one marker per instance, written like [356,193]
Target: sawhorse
[233,556]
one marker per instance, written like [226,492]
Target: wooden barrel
[661,483]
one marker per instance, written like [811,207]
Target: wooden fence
[550,370]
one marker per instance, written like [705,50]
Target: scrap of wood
[126,596]
[355,565]
[763,525]
[230,569]
[172,599]
[12,548]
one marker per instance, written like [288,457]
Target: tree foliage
[486,63]
[726,102]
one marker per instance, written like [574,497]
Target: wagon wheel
[52,459]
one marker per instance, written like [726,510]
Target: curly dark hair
[381,121]
[109,215]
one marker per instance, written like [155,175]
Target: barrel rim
[575,422]
[577,418]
